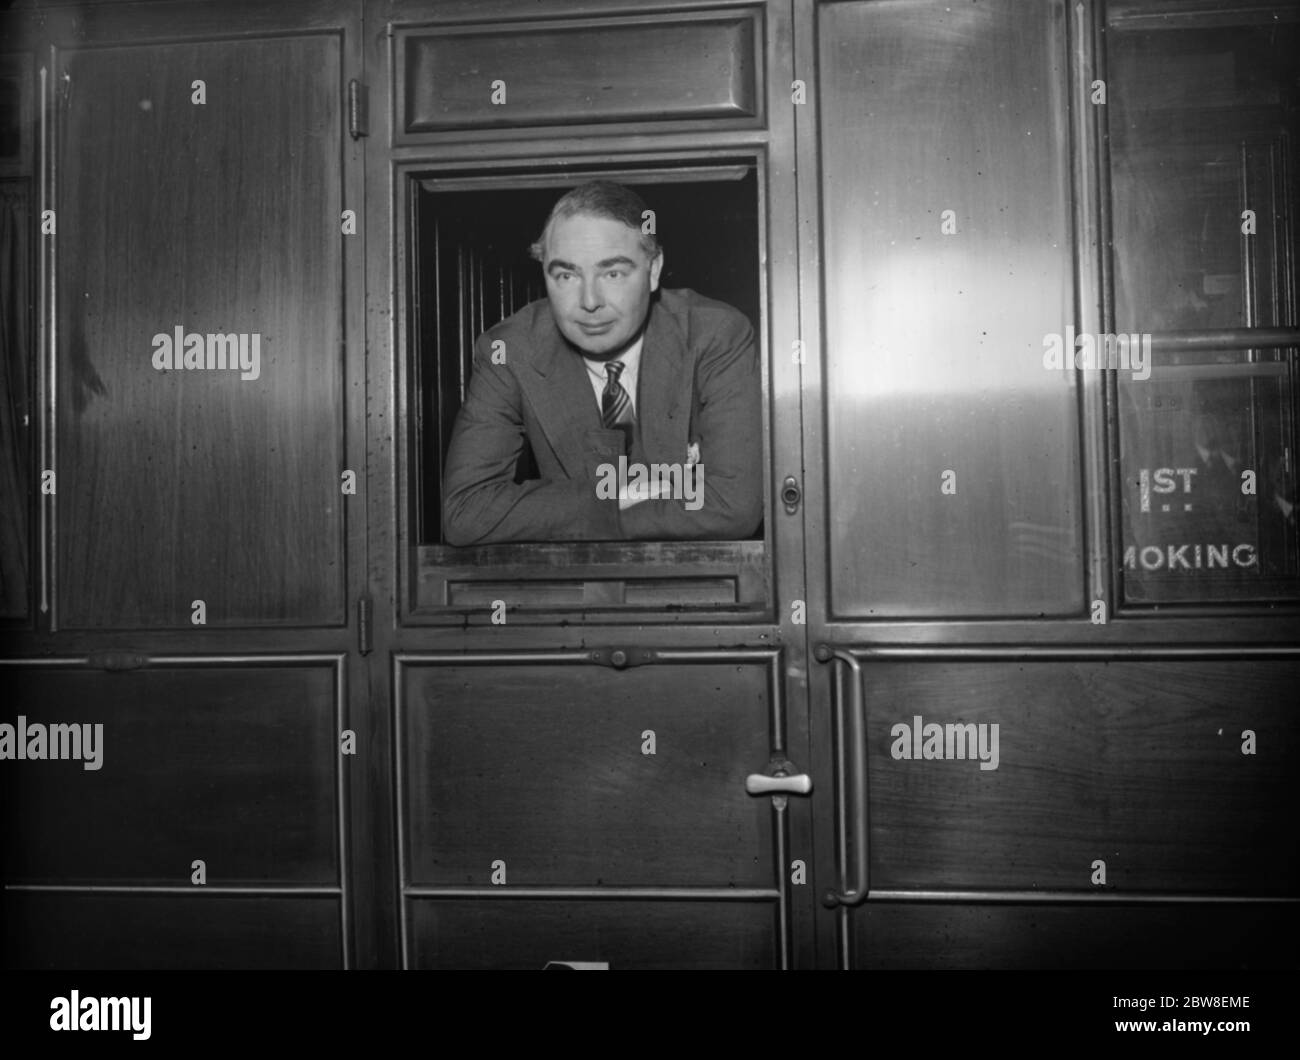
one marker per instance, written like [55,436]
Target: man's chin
[597,347]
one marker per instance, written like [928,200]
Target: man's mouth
[596,329]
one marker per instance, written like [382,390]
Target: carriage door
[1031,767]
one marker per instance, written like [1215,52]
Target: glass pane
[1202,128]
[1209,505]
[17,427]
[1203,125]
[953,457]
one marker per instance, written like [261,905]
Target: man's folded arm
[729,426]
[482,503]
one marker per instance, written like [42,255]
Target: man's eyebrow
[568,266]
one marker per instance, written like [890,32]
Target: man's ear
[655,267]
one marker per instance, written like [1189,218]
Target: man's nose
[591,300]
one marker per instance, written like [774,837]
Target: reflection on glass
[952,456]
[1202,129]
[1209,503]
[1203,125]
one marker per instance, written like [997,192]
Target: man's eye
[615,274]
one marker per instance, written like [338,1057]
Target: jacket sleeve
[728,427]
[482,504]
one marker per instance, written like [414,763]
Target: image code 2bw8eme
[1187,1001]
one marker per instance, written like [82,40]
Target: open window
[469,269]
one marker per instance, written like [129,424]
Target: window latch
[622,658]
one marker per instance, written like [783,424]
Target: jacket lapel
[662,382]
[560,395]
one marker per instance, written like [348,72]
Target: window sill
[598,575]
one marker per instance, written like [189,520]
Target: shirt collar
[631,358]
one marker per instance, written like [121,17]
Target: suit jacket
[699,384]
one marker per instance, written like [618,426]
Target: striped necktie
[615,405]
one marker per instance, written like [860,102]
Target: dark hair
[600,198]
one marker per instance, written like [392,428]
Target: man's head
[600,267]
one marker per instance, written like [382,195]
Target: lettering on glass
[1207,501]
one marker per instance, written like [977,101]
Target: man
[608,372]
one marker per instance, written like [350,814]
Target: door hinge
[364,638]
[358,109]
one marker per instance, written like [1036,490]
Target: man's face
[599,280]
